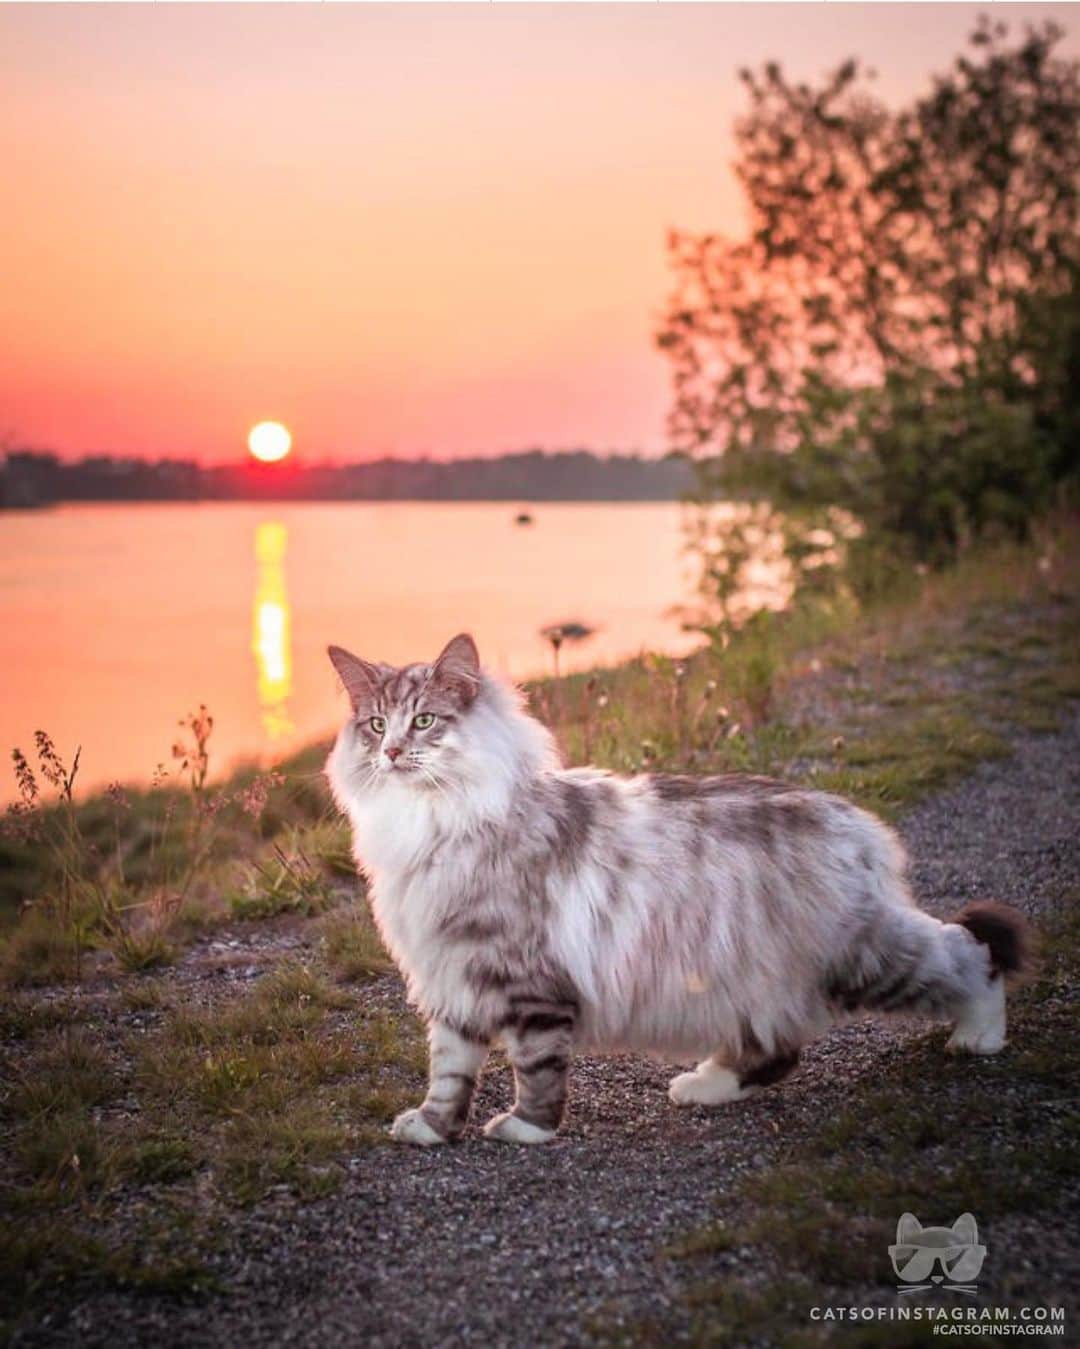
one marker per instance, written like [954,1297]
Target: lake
[116,620]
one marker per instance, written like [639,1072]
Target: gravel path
[486,1245]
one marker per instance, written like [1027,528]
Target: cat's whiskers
[370,772]
[439,784]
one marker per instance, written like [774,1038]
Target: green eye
[378,725]
[423,721]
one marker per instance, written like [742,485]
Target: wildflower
[680,671]
[117,796]
[195,758]
[838,744]
[252,800]
[602,701]
[210,807]
[557,633]
[24,776]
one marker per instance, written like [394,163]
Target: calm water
[117,620]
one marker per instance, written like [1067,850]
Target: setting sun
[269,441]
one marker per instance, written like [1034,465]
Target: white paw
[976,1042]
[412,1127]
[510,1129]
[708,1084]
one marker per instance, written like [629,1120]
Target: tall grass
[850,696]
[116,873]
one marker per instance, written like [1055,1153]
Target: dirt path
[482,1244]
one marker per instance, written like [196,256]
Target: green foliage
[352,945]
[127,871]
[899,336]
[289,880]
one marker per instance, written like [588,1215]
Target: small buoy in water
[523,518]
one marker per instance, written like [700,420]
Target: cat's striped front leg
[538,1042]
[456,1060]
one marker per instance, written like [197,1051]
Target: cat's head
[409,722]
[937,1254]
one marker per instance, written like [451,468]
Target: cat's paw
[990,1041]
[706,1086]
[412,1127]
[509,1128]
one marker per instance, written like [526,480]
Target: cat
[551,909]
[925,1256]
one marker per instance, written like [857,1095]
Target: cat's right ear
[908,1230]
[360,677]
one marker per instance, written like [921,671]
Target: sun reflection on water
[271,637]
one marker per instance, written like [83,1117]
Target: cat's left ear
[360,678]
[458,668]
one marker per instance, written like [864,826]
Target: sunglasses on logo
[957,1264]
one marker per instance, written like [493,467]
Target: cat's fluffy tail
[1005,931]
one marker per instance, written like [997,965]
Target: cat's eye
[424,720]
[378,725]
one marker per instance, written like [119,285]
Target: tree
[899,334]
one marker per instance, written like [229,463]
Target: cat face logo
[937,1257]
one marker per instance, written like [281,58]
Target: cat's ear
[966,1229]
[908,1229]
[458,668]
[360,677]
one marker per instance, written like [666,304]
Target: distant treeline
[29,478]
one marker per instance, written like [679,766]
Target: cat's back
[669,811]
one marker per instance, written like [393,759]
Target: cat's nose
[393,752]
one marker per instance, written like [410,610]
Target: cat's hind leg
[980,1025]
[712,1082]
[1005,941]
[953,970]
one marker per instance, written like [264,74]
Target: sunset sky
[398,229]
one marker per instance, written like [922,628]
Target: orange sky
[400,229]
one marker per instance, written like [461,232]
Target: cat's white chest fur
[418,875]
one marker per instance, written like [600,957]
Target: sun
[269,441]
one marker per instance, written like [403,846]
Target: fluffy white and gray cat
[550,909]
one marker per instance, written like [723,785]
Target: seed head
[24,776]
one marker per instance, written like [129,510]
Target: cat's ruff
[726,919]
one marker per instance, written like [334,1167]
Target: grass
[140,1109]
[160,1105]
[352,946]
[882,704]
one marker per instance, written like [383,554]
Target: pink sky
[399,229]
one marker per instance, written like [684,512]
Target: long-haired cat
[547,909]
